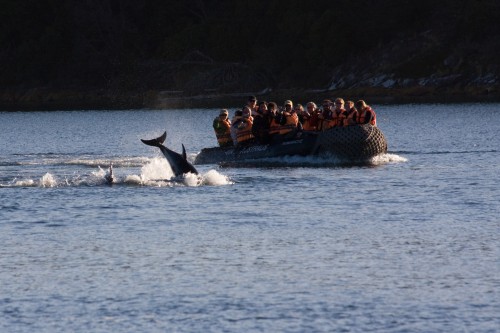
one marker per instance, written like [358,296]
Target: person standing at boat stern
[366,115]
[222,128]
[252,105]
[262,124]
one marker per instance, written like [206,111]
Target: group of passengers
[264,122]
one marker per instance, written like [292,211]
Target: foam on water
[156,168]
[212,177]
[156,173]
[24,183]
[48,180]
[80,161]
[387,158]
[315,161]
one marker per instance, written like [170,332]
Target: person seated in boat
[284,124]
[276,115]
[366,115]
[252,105]
[222,128]
[289,122]
[309,117]
[237,116]
[325,116]
[243,127]
[272,108]
[299,111]
[262,123]
[350,114]
[338,114]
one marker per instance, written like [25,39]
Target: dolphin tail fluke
[156,142]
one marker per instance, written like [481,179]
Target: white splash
[387,158]
[157,168]
[133,180]
[155,173]
[24,183]
[191,179]
[48,181]
[214,178]
[101,173]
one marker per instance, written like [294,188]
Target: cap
[288,102]
[223,112]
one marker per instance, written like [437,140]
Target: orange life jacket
[338,117]
[274,128]
[307,126]
[350,116]
[244,131]
[362,117]
[223,131]
[331,120]
[292,120]
[310,123]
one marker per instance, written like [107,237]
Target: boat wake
[323,161]
[56,171]
[155,172]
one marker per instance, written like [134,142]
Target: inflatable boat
[351,144]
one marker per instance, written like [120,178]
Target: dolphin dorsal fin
[184,152]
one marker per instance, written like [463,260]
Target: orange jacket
[350,118]
[310,122]
[292,120]
[222,130]
[244,131]
[367,116]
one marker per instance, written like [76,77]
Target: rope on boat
[358,142]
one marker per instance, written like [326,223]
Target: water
[407,244]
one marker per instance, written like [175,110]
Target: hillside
[120,54]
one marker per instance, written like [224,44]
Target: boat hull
[353,143]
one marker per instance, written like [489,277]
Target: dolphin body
[178,162]
[108,177]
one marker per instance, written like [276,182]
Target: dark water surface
[408,244]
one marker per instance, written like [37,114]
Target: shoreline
[47,99]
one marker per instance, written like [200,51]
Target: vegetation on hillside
[195,45]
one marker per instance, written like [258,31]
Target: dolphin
[108,177]
[178,162]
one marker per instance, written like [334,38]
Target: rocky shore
[37,99]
